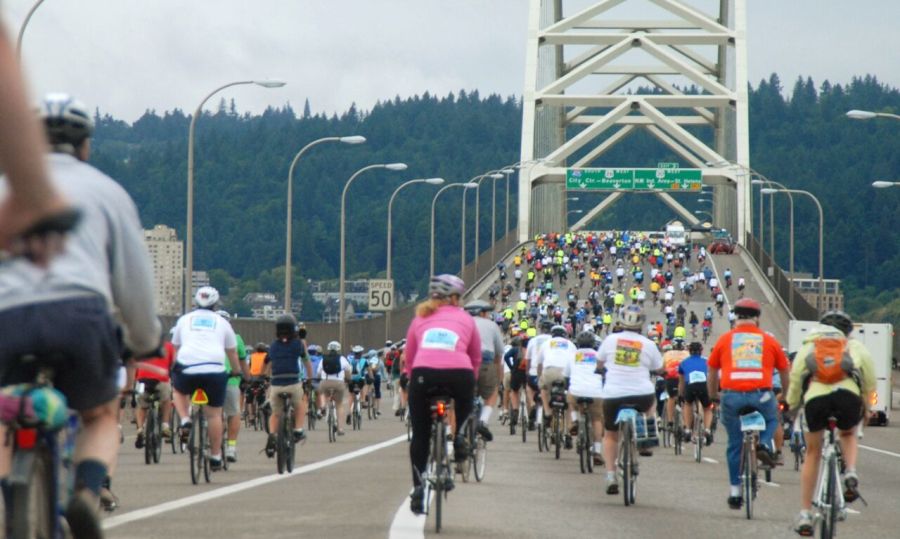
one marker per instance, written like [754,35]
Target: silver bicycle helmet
[446,285]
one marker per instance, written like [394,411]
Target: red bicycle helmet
[747,308]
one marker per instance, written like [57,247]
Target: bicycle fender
[22,463]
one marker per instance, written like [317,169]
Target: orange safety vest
[257,363]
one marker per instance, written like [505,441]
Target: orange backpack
[830,361]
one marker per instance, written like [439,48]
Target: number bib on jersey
[628,353]
[746,356]
[440,339]
[696,377]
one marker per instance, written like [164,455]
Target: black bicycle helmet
[285,325]
[261,347]
[695,348]
[839,320]
[546,326]
[586,339]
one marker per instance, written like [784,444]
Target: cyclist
[104,267]
[334,371]
[531,352]
[359,372]
[741,285]
[257,381]
[554,362]
[154,374]
[826,388]
[232,406]
[491,372]
[376,367]
[746,357]
[727,276]
[692,374]
[514,358]
[203,341]
[283,365]
[443,350]
[586,382]
[671,360]
[628,358]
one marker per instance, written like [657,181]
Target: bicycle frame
[829,499]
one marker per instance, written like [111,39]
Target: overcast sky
[126,56]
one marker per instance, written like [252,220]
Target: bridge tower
[581,69]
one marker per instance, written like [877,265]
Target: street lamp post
[821,299]
[22,29]
[762,191]
[493,175]
[433,205]
[189,247]
[572,212]
[430,181]
[354,139]
[341,312]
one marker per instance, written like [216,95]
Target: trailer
[878,338]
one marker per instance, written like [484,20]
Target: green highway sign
[666,178]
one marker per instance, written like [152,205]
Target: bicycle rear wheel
[204,445]
[34,512]
[699,438]
[195,451]
[281,444]
[440,461]
[747,456]
[292,445]
[677,432]
[175,439]
[829,505]
[480,458]
[465,466]
[557,432]
[582,449]
[625,462]
[149,431]
[589,442]
[523,418]
[332,427]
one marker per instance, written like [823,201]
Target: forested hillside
[800,137]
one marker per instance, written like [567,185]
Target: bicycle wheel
[581,448]
[260,418]
[698,437]
[157,436]
[332,427]
[175,438]
[625,462]
[829,504]
[370,406]
[281,444]
[440,461]
[408,426]
[747,457]
[677,432]
[292,445]
[465,466]
[149,430]
[523,418]
[589,442]
[33,508]
[195,450]
[204,445]
[557,432]
[480,458]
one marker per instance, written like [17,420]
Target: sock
[232,443]
[298,431]
[185,421]
[449,447]
[574,415]
[90,474]
[598,448]
[486,414]
[736,491]
[610,476]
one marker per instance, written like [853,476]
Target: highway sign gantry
[634,179]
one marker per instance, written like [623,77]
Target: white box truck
[878,338]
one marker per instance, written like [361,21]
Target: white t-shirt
[713,282]
[345,367]
[558,352]
[628,358]
[741,281]
[202,337]
[584,381]
[534,344]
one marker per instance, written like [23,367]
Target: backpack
[830,361]
[331,364]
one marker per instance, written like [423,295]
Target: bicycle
[34,498]
[198,440]
[437,479]
[752,423]
[152,423]
[477,458]
[285,445]
[633,429]
[370,402]
[559,405]
[331,418]
[678,428]
[356,407]
[797,442]
[585,443]
[175,439]
[828,500]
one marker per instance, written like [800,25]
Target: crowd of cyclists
[570,311]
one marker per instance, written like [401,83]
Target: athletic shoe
[270,445]
[82,517]
[851,487]
[230,453]
[417,501]
[139,441]
[735,502]
[299,436]
[804,524]
[612,486]
[485,432]
[215,464]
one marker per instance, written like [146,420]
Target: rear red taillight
[441,409]
[26,438]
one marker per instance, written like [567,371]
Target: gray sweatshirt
[105,256]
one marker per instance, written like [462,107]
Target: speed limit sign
[381,294]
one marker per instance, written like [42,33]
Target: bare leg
[214,421]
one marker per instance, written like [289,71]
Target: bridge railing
[780,282]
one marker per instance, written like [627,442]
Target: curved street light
[288,267]
[433,205]
[22,29]
[189,247]
[341,313]
[883,184]
[868,115]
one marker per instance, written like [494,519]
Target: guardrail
[783,286]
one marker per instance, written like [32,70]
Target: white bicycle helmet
[206,297]
[334,346]
[446,285]
[633,318]
[66,120]
[357,349]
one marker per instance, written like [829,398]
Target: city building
[808,286]
[264,305]
[166,255]
[198,279]
[355,291]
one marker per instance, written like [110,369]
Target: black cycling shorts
[672,387]
[404,381]
[843,405]
[698,391]
[213,383]
[611,407]
[517,379]
[77,336]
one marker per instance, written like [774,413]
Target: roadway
[358,486]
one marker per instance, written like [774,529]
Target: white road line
[148,512]
[406,524]
[882,451]
[711,461]
[853,511]
[770,484]
[721,282]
